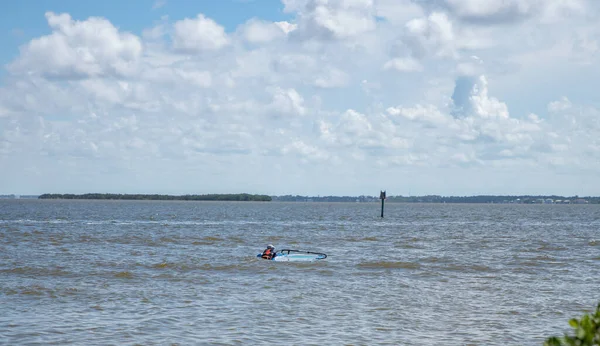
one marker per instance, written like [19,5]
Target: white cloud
[501,11]
[158,4]
[426,114]
[403,65]
[439,36]
[78,49]
[488,9]
[484,105]
[287,102]
[198,35]
[197,78]
[286,27]
[259,31]
[560,105]
[305,152]
[188,103]
[398,11]
[333,78]
[335,19]
[434,33]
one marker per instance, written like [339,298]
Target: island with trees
[208,197]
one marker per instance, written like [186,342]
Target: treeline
[208,197]
[523,199]
[298,198]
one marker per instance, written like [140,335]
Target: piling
[382,197]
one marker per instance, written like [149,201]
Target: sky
[308,97]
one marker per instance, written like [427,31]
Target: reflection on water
[146,272]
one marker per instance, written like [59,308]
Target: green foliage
[586,332]
[210,197]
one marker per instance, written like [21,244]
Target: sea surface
[186,273]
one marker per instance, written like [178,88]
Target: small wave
[226,267]
[434,259]
[403,245]
[124,275]
[543,257]
[326,272]
[172,266]
[236,240]
[84,238]
[359,240]
[39,290]
[165,276]
[202,243]
[389,265]
[161,265]
[212,239]
[550,247]
[167,240]
[35,290]
[468,268]
[36,271]
[208,240]
[32,222]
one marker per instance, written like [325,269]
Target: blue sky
[342,97]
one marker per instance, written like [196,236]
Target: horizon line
[300,195]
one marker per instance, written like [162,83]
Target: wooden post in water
[382,197]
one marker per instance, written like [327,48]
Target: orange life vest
[267,254]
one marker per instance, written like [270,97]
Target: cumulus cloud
[332,19]
[398,12]
[197,35]
[78,49]
[502,11]
[434,33]
[471,96]
[287,102]
[307,153]
[359,86]
[259,31]
[403,65]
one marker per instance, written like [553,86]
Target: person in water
[269,252]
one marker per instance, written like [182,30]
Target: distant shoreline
[243,197]
[477,199]
[481,199]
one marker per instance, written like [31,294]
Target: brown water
[131,272]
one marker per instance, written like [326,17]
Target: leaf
[553,341]
[574,323]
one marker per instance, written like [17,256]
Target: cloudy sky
[309,97]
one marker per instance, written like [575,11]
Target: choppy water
[126,272]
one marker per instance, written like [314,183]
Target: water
[150,272]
